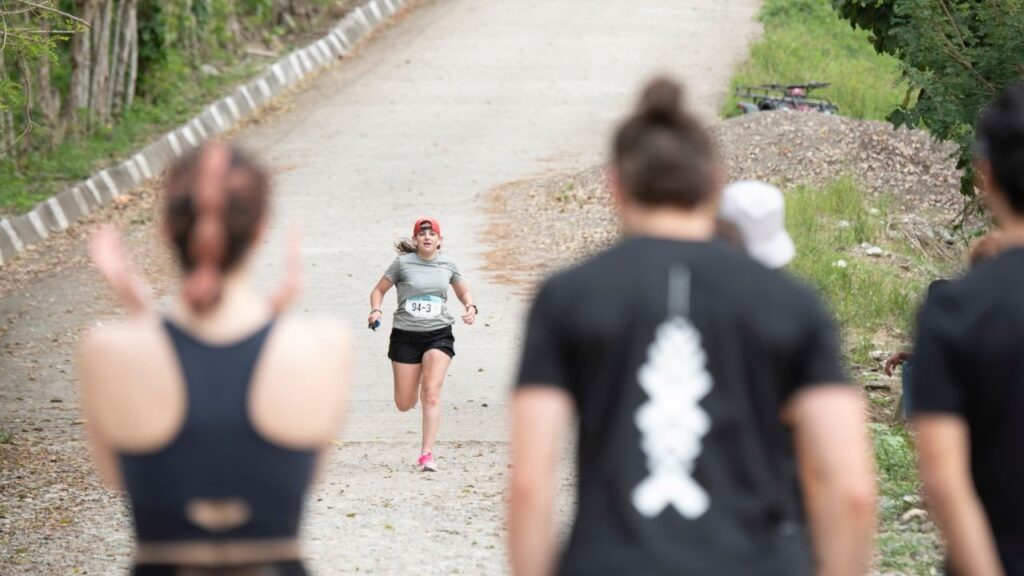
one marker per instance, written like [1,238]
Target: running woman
[968,381]
[214,417]
[716,432]
[422,344]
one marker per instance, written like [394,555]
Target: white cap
[758,211]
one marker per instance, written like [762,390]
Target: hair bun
[661,102]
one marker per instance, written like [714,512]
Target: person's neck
[239,310]
[1013,232]
[670,224]
[427,257]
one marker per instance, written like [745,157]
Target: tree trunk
[190,32]
[294,9]
[124,54]
[133,59]
[116,82]
[99,101]
[5,129]
[3,135]
[81,61]
[20,142]
[49,102]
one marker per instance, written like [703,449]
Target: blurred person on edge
[968,384]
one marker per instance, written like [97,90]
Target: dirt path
[460,97]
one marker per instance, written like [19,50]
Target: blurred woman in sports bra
[214,417]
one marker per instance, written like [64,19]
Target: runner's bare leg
[435,366]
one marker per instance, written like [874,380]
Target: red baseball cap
[426,224]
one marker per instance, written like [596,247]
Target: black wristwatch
[475,309]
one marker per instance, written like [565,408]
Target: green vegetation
[869,296]
[804,40]
[829,225]
[955,56]
[41,175]
[81,89]
[903,547]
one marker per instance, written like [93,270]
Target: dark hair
[408,246]
[1001,135]
[405,246]
[215,199]
[662,154]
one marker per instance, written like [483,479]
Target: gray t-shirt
[422,287]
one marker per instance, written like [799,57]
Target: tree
[29,36]
[956,56]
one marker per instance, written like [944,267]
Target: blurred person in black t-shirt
[717,434]
[968,382]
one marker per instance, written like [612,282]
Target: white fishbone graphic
[672,422]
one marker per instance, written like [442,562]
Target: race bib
[424,306]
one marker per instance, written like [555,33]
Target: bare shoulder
[309,356]
[317,349]
[113,336]
[130,339]
[315,335]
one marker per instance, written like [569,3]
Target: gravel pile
[570,215]
[790,149]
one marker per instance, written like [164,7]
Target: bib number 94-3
[423,308]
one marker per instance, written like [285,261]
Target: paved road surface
[459,97]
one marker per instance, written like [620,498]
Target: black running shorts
[409,347]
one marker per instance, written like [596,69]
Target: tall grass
[828,225]
[804,40]
[867,295]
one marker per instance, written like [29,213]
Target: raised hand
[287,293]
[107,253]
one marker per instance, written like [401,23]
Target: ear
[619,196]
[991,194]
[718,180]
[261,231]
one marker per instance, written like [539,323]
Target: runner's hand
[894,361]
[470,315]
[374,317]
[107,253]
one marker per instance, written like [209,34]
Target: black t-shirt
[969,361]
[684,465]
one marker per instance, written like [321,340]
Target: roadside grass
[169,95]
[43,174]
[874,301]
[829,226]
[903,547]
[804,40]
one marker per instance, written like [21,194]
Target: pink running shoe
[426,462]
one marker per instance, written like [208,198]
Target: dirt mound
[790,149]
[570,214]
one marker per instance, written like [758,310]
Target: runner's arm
[944,460]
[377,297]
[836,473]
[107,253]
[462,293]
[540,417]
[91,357]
